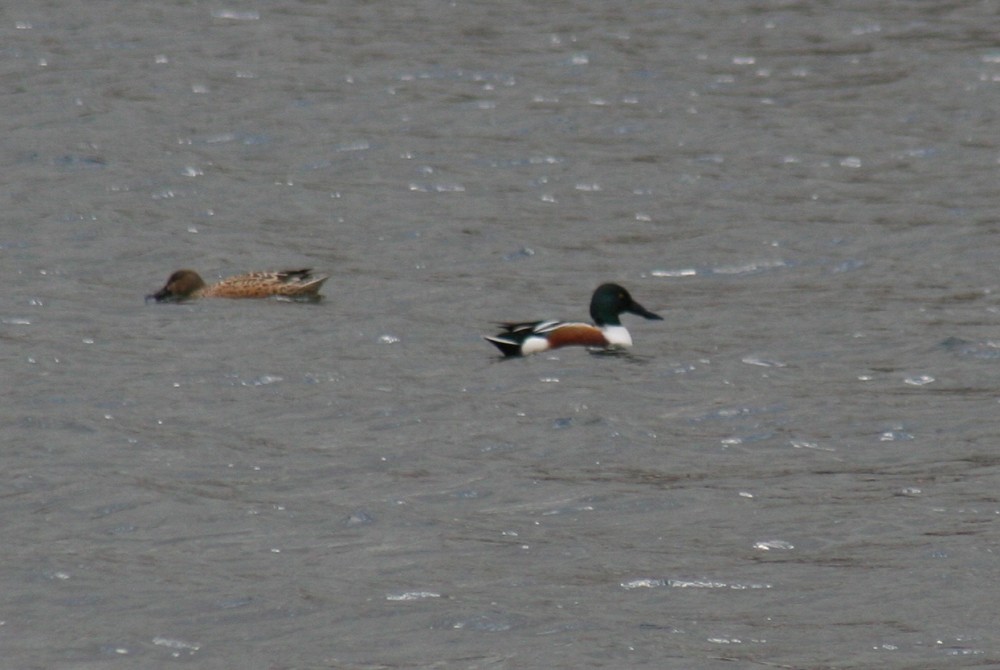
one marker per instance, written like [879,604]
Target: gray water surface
[798,468]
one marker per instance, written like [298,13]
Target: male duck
[188,284]
[607,303]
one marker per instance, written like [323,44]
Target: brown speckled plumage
[188,284]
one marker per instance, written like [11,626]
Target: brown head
[181,286]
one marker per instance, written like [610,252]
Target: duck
[608,302]
[188,285]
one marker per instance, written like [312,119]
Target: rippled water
[798,468]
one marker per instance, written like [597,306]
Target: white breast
[617,336]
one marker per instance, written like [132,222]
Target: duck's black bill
[160,296]
[636,308]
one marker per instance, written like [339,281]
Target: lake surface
[798,468]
